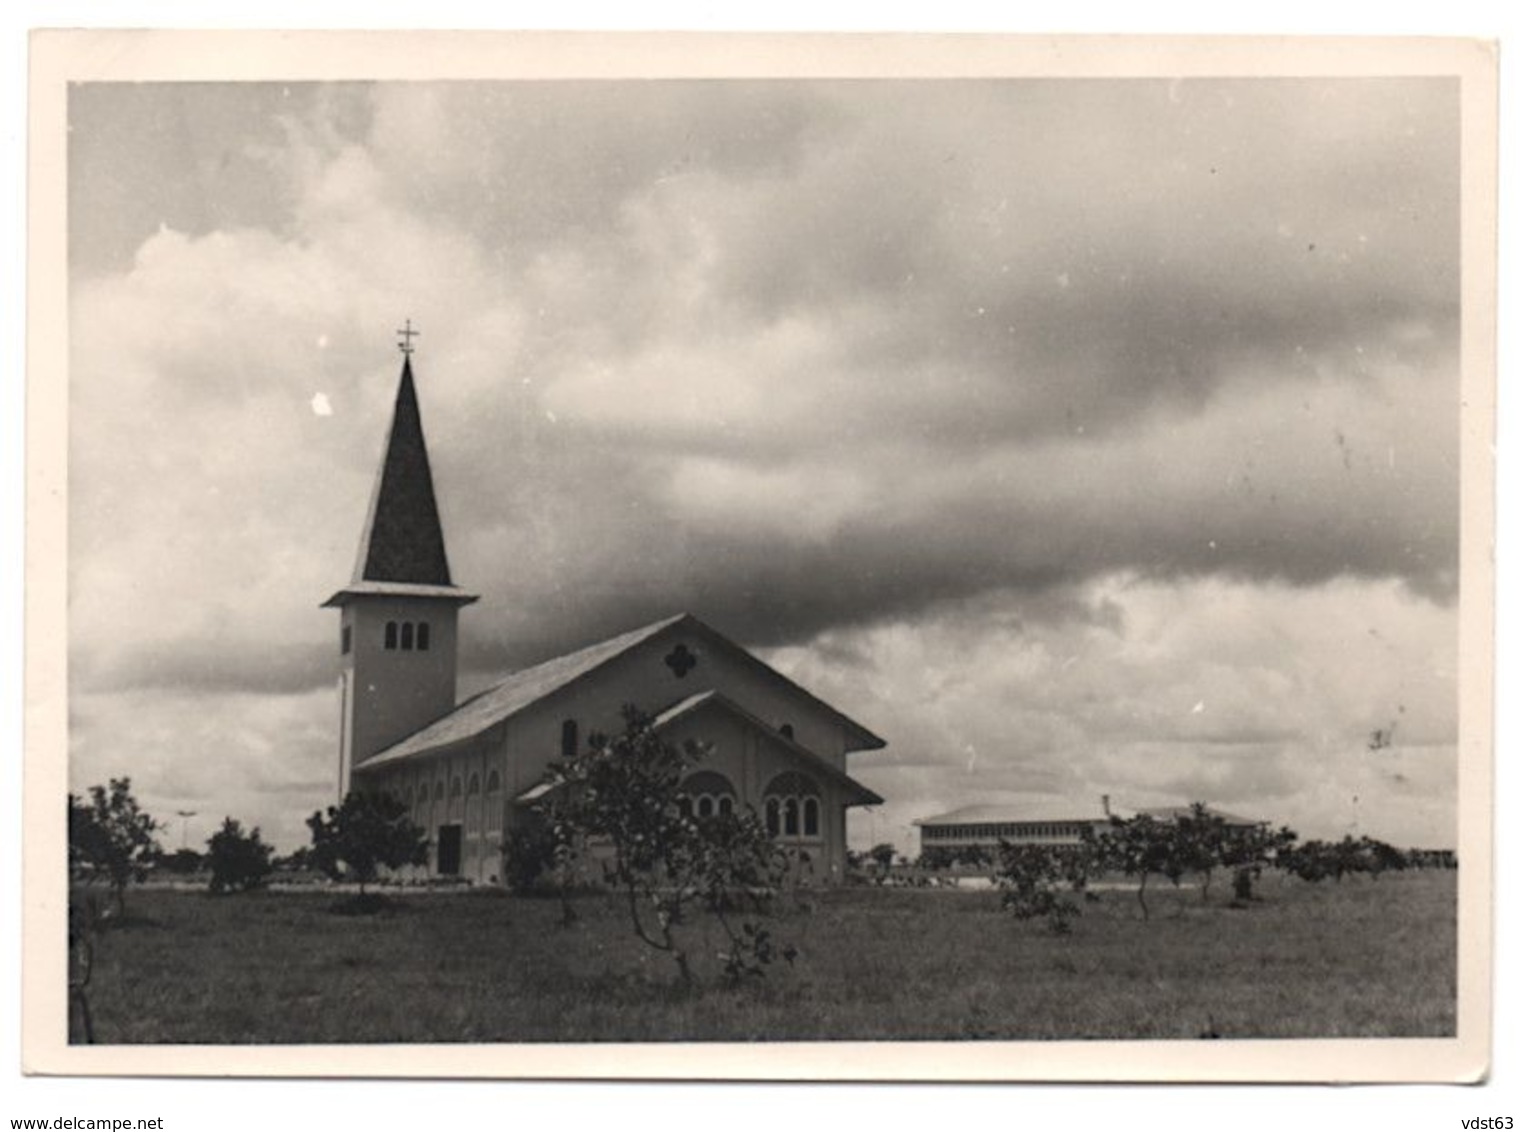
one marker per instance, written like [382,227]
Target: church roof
[403,540]
[513,695]
[530,685]
[402,550]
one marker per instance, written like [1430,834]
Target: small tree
[1380,857]
[937,857]
[882,855]
[530,852]
[1199,837]
[365,834]
[1032,876]
[1141,847]
[1249,851]
[626,793]
[111,837]
[240,861]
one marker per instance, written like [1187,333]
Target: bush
[240,861]
[1030,877]
[362,836]
[529,856]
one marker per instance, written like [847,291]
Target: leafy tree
[1032,877]
[1381,857]
[363,835]
[1199,838]
[625,793]
[1248,852]
[975,856]
[937,857]
[111,837]
[240,861]
[1142,847]
[882,855]
[530,852]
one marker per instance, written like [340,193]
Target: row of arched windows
[790,804]
[473,786]
[407,635]
[479,803]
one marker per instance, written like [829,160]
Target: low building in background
[1050,823]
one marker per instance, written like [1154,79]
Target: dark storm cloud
[1016,418]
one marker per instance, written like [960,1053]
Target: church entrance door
[449,850]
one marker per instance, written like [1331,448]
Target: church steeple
[398,615]
[403,540]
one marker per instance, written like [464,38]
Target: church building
[470,771]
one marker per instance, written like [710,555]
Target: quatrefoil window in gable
[681,661]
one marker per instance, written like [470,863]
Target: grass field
[1360,958]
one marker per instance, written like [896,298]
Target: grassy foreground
[1357,959]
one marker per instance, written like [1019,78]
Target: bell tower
[398,614]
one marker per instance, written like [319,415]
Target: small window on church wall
[705,806]
[811,817]
[423,636]
[407,635]
[786,730]
[474,786]
[791,817]
[727,805]
[344,634]
[569,739]
[494,784]
[772,817]
[391,634]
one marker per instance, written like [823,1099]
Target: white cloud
[793,356]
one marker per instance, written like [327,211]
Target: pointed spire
[403,539]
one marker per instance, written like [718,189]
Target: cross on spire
[407,334]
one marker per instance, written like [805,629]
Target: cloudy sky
[1076,436]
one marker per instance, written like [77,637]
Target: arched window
[792,806]
[706,794]
[474,804]
[423,636]
[391,634]
[569,739]
[407,636]
[494,783]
